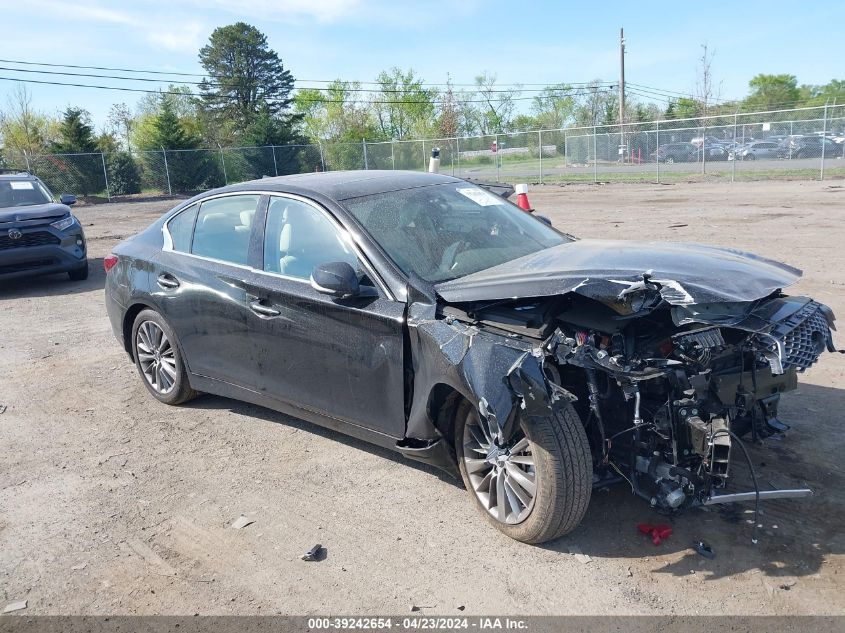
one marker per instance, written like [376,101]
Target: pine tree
[188,170]
[82,170]
[76,135]
[245,75]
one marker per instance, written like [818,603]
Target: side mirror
[336,279]
[68,199]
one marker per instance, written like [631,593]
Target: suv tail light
[109,262]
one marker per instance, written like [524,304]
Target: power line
[122,70]
[315,100]
[203,83]
[586,84]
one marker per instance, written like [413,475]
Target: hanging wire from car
[741,444]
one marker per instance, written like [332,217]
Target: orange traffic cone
[522,198]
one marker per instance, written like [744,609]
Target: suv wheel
[536,488]
[159,360]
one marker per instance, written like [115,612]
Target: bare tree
[497,103]
[706,91]
[120,122]
[23,129]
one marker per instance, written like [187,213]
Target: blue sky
[527,42]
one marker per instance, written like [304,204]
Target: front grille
[24,266]
[805,335]
[36,238]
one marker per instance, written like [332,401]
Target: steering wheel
[450,254]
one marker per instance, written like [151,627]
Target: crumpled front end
[667,386]
[671,395]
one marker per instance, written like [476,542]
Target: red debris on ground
[658,532]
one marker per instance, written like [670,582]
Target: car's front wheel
[537,486]
[159,360]
[670,160]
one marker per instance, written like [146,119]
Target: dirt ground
[111,503]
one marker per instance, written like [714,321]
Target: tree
[245,75]
[267,130]
[80,171]
[403,107]
[120,122]
[123,173]
[498,105]
[188,170]
[831,93]
[25,131]
[338,115]
[447,120]
[772,92]
[76,134]
[554,107]
[683,108]
[598,105]
[706,91]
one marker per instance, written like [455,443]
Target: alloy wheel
[504,479]
[156,357]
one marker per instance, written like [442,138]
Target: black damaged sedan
[38,235]
[426,314]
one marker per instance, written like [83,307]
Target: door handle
[167,281]
[261,310]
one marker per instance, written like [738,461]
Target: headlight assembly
[64,223]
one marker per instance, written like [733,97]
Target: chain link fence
[804,143]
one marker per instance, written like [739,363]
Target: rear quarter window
[181,227]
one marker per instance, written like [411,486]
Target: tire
[669,160]
[80,274]
[560,457]
[750,157]
[159,360]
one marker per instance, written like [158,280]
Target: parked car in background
[427,315]
[753,151]
[674,153]
[712,152]
[38,234]
[809,147]
[709,140]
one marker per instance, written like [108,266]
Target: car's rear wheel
[159,360]
[80,274]
[536,487]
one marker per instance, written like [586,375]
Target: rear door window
[223,228]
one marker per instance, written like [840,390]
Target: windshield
[22,193]
[442,232]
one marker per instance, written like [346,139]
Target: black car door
[340,358]
[198,289]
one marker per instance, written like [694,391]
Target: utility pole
[622,93]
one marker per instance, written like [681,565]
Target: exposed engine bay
[666,386]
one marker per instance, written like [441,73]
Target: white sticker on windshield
[20,184]
[479,196]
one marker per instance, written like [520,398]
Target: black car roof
[342,185]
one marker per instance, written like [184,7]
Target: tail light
[109,262]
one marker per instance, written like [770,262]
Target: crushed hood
[611,269]
[47,211]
